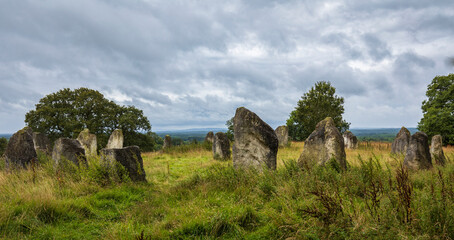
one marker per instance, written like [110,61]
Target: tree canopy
[438,109]
[317,104]
[67,112]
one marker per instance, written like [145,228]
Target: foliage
[438,109]
[67,112]
[314,106]
[3,144]
[229,132]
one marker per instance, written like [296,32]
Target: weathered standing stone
[167,142]
[282,135]
[418,155]
[221,146]
[116,139]
[324,144]
[69,149]
[20,150]
[350,140]
[436,150]
[209,137]
[41,143]
[129,158]
[401,141]
[255,144]
[88,142]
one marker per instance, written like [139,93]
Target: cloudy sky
[190,64]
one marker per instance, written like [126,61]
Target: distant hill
[6,135]
[363,134]
[378,134]
[190,134]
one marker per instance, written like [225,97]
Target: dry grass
[190,191]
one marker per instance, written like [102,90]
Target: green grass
[191,196]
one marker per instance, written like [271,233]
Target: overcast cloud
[190,64]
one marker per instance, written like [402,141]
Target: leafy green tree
[3,144]
[67,112]
[317,104]
[229,132]
[438,109]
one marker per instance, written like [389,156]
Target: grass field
[191,196]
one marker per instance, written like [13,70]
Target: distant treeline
[379,134]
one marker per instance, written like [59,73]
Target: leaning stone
[401,141]
[209,137]
[324,144]
[129,158]
[436,150]
[88,142]
[282,135]
[167,142]
[116,139]
[20,150]
[418,154]
[68,149]
[350,140]
[41,143]
[255,144]
[221,146]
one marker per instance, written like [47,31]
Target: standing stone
[41,143]
[129,158]
[20,150]
[418,154]
[221,146]
[88,142]
[282,135]
[255,142]
[436,150]
[69,149]
[401,141]
[324,144]
[209,137]
[116,139]
[167,142]
[350,140]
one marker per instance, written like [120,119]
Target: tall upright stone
[324,144]
[221,146]
[350,140]
[88,142]
[401,141]
[116,139]
[209,137]
[167,142]
[255,144]
[436,150]
[418,154]
[129,158]
[41,143]
[68,149]
[282,135]
[20,151]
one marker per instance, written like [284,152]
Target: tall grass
[192,196]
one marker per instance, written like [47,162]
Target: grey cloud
[377,49]
[408,64]
[176,60]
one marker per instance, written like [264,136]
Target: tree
[314,106]
[438,109]
[3,144]
[229,132]
[67,112]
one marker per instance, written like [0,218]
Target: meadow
[191,196]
